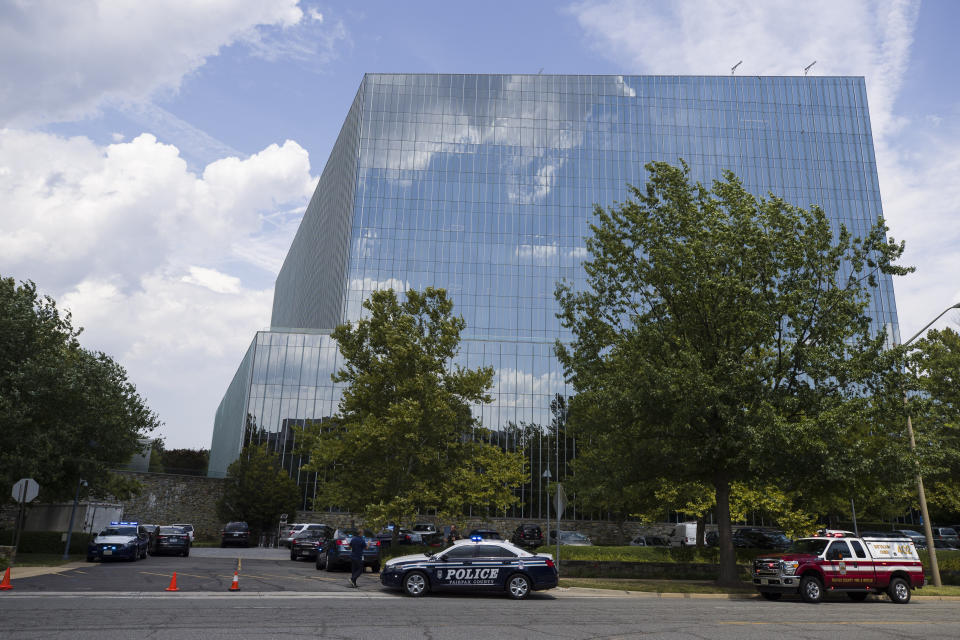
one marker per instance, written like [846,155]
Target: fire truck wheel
[771,595]
[811,589]
[899,591]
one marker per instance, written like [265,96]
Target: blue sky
[155,158]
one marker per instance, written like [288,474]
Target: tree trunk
[701,529]
[728,559]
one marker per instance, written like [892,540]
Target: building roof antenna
[734,67]
[807,68]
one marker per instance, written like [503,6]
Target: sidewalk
[30,572]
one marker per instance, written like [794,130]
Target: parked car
[428,534]
[649,541]
[946,534]
[336,551]
[121,540]
[188,528]
[756,538]
[288,532]
[918,537]
[172,540]
[571,538]
[484,534]
[527,536]
[151,531]
[404,536]
[944,544]
[308,542]
[235,533]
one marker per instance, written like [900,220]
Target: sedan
[472,565]
[307,543]
[173,541]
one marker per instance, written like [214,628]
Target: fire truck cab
[839,561]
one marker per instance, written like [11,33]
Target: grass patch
[945,590]
[655,586]
[707,555]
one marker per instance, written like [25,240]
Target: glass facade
[485,184]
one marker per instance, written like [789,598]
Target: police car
[124,540]
[472,565]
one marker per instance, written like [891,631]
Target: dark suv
[527,536]
[235,533]
[760,539]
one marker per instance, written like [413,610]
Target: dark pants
[356,564]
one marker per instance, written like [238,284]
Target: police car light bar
[476,538]
[114,523]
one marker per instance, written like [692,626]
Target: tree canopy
[257,490]
[403,441]
[66,413]
[721,338]
[934,382]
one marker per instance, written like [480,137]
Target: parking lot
[205,570]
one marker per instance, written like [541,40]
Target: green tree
[725,337]
[190,462]
[934,379]
[257,490]
[66,413]
[403,441]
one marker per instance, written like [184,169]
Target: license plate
[107,552]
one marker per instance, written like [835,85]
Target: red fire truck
[839,561]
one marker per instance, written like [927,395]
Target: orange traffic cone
[5,585]
[173,583]
[236,583]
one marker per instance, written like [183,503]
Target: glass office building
[485,184]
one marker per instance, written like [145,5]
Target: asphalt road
[281,598]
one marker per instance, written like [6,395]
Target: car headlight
[788,568]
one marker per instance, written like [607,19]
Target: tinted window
[236,526]
[858,549]
[460,551]
[494,551]
[839,549]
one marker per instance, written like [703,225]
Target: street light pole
[927,527]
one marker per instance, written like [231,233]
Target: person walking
[357,545]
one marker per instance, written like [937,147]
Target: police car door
[492,564]
[452,571]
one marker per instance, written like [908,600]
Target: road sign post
[24,491]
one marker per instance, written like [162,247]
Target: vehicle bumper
[170,548]
[391,579]
[545,582]
[123,553]
[304,553]
[782,584]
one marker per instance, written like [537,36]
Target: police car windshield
[119,531]
[813,547]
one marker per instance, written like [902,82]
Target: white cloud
[145,253]
[917,168]
[61,60]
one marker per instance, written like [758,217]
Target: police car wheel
[899,591]
[326,561]
[811,589]
[320,562]
[415,584]
[518,586]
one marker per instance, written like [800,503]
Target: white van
[684,534]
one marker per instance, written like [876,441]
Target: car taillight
[407,537]
[340,543]
[550,563]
